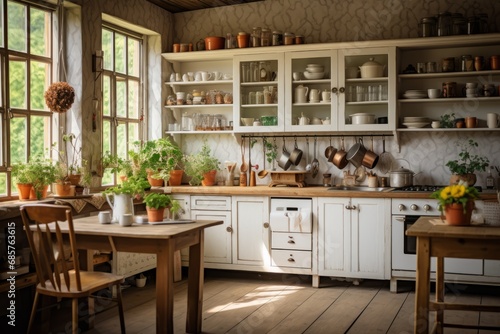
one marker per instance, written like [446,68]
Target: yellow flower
[458,191]
[445,193]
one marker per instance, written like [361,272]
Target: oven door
[404,249]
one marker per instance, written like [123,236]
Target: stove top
[425,188]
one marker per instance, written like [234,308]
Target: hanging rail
[314,136]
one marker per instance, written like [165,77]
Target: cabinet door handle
[290,260]
[353,207]
[229,229]
[334,90]
[342,89]
[291,242]
[266,225]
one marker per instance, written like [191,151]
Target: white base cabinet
[354,237]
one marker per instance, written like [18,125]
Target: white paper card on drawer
[279,221]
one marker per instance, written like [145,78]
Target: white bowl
[362,118]
[315,69]
[247,121]
[314,76]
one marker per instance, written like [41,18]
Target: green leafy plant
[271,151]
[39,172]
[447,120]
[468,162]
[158,200]
[132,186]
[116,164]
[200,163]
[457,193]
[160,156]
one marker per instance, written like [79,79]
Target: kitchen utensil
[330,152]
[384,160]
[296,154]
[401,177]
[284,161]
[244,165]
[356,153]
[263,173]
[370,159]
[315,162]
[362,118]
[360,174]
[340,158]
[308,165]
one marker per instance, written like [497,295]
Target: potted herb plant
[157,203]
[69,156]
[20,173]
[202,167]
[117,165]
[39,172]
[456,202]
[467,164]
[62,183]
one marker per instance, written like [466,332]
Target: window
[25,73]
[122,105]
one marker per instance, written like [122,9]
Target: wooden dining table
[162,240]
[436,239]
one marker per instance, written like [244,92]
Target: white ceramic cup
[197,76]
[436,124]
[181,97]
[297,76]
[471,92]
[492,120]
[190,76]
[104,217]
[434,93]
[126,219]
[185,77]
[205,76]
[471,85]
[217,75]
[326,96]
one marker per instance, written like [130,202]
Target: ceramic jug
[301,94]
[314,95]
[303,120]
[122,204]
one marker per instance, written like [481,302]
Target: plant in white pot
[467,164]
[120,197]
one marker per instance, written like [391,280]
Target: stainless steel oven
[405,212]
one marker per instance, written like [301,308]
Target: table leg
[422,286]
[165,288]
[195,287]
[439,293]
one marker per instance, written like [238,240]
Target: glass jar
[327,180]
[299,39]
[427,27]
[277,38]
[254,71]
[448,64]
[483,19]
[444,24]
[263,71]
[288,38]
[245,72]
[229,41]
[467,63]
[256,33]
[459,26]
[265,37]
[473,25]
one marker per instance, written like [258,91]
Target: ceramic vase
[454,213]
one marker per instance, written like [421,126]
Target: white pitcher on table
[122,204]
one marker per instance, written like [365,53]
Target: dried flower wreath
[59,97]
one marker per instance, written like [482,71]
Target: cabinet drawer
[300,241]
[212,203]
[291,258]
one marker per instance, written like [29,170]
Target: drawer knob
[291,241]
[229,229]
[291,259]
[266,225]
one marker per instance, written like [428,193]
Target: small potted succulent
[467,164]
[157,203]
[202,167]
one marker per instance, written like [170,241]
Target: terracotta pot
[209,178]
[175,177]
[155,215]
[24,190]
[469,178]
[454,213]
[63,189]
[153,181]
[39,195]
[74,179]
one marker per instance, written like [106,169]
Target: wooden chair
[54,260]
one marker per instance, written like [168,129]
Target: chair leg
[120,307]
[33,312]
[74,315]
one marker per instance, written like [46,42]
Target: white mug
[190,76]
[197,76]
[314,95]
[205,76]
[326,96]
[126,219]
[104,217]
[297,76]
[492,120]
[217,75]
[185,78]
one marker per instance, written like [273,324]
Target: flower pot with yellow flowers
[456,202]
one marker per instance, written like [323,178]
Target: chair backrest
[49,246]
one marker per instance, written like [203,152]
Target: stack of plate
[416,122]
[415,94]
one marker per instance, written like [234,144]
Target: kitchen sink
[360,188]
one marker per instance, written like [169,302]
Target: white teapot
[301,94]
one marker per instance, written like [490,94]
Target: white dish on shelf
[416,125]
[313,76]
[415,119]
[415,96]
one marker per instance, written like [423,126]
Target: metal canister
[467,63]
[277,38]
[449,89]
[427,27]
[448,64]
[444,24]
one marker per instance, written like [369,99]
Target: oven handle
[399,218]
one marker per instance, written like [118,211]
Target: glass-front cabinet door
[367,77]
[310,79]
[259,93]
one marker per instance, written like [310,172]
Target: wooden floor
[243,302]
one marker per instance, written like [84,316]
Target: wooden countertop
[317,191]
[432,226]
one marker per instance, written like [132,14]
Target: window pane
[120,53]
[106,136]
[107,48]
[16,28]
[40,32]
[40,75]
[1,24]
[3,184]
[133,99]
[121,101]
[134,57]
[18,139]
[17,84]
[133,132]
[40,136]
[106,95]
[121,140]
